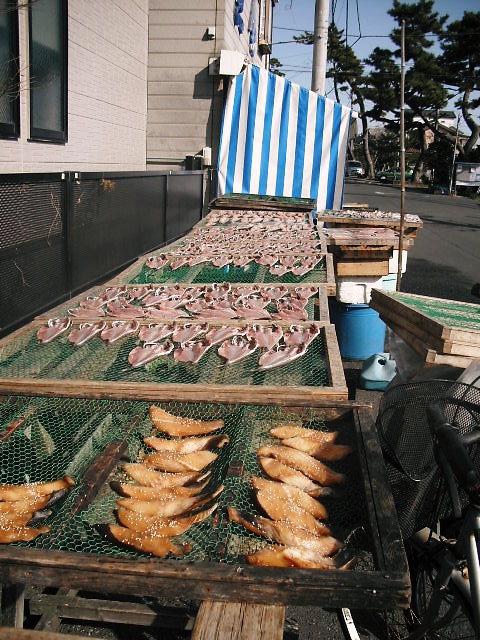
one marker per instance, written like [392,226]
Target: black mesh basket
[415,480]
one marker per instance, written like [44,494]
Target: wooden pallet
[363,237]
[371,218]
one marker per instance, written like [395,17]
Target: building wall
[185,103]
[107,93]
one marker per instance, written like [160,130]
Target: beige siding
[185,104]
[107,74]
[181,94]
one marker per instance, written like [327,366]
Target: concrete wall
[107,93]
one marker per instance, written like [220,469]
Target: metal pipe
[402,160]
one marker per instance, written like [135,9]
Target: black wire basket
[416,482]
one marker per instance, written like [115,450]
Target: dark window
[48,70]
[9,71]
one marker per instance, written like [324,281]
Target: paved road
[445,260]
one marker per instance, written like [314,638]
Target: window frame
[37,134]
[11,130]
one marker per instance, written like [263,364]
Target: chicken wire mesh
[459,315]
[26,357]
[65,436]
[208,273]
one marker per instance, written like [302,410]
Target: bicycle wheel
[460,626]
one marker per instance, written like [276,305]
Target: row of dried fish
[169,497]
[24,505]
[297,265]
[248,216]
[237,343]
[296,521]
[219,301]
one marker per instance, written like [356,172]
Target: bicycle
[429,433]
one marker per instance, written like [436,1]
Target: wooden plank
[429,355]
[335,365]
[113,611]
[323,311]
[49,618]
[166,392]
[382,299]
[385,528]
[441,346]
[12,604]
[238,621]
[16,423]
[345,268]
[373,589]
[7,633]
[359,253]
[331,283]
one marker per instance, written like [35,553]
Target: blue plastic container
[360,332]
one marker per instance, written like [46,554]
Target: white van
[354,168]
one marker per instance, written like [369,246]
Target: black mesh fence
[61,233]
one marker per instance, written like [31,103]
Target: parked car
[354,169]
[389,175]
[439,189]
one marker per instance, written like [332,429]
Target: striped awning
[281,139]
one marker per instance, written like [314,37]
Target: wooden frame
[156,391]
[384,587]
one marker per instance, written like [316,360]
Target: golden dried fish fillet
[187,445]
[161,526]
[166,508]
[174,462]
[293,431]
[291,494]
[291,477]
[8,520]
[278,509]
[279,556]
[312,468]
[284,533]
[156,545]
[270,557]
[307,559]
[21,534]
[320,450]
[156,493]
[176,426]
[29,491]
[24,506]
[150,478]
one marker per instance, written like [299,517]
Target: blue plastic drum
[360,332]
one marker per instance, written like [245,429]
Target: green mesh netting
[60,436]
[207,273]
[26,357]
[460,315]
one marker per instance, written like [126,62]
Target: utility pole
[402,160]
[450,191]
[320,39]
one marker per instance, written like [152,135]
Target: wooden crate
[379,581]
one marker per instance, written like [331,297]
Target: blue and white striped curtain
[281,139]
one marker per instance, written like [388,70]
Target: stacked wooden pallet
[440,331]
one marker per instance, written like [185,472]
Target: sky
[366,18]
